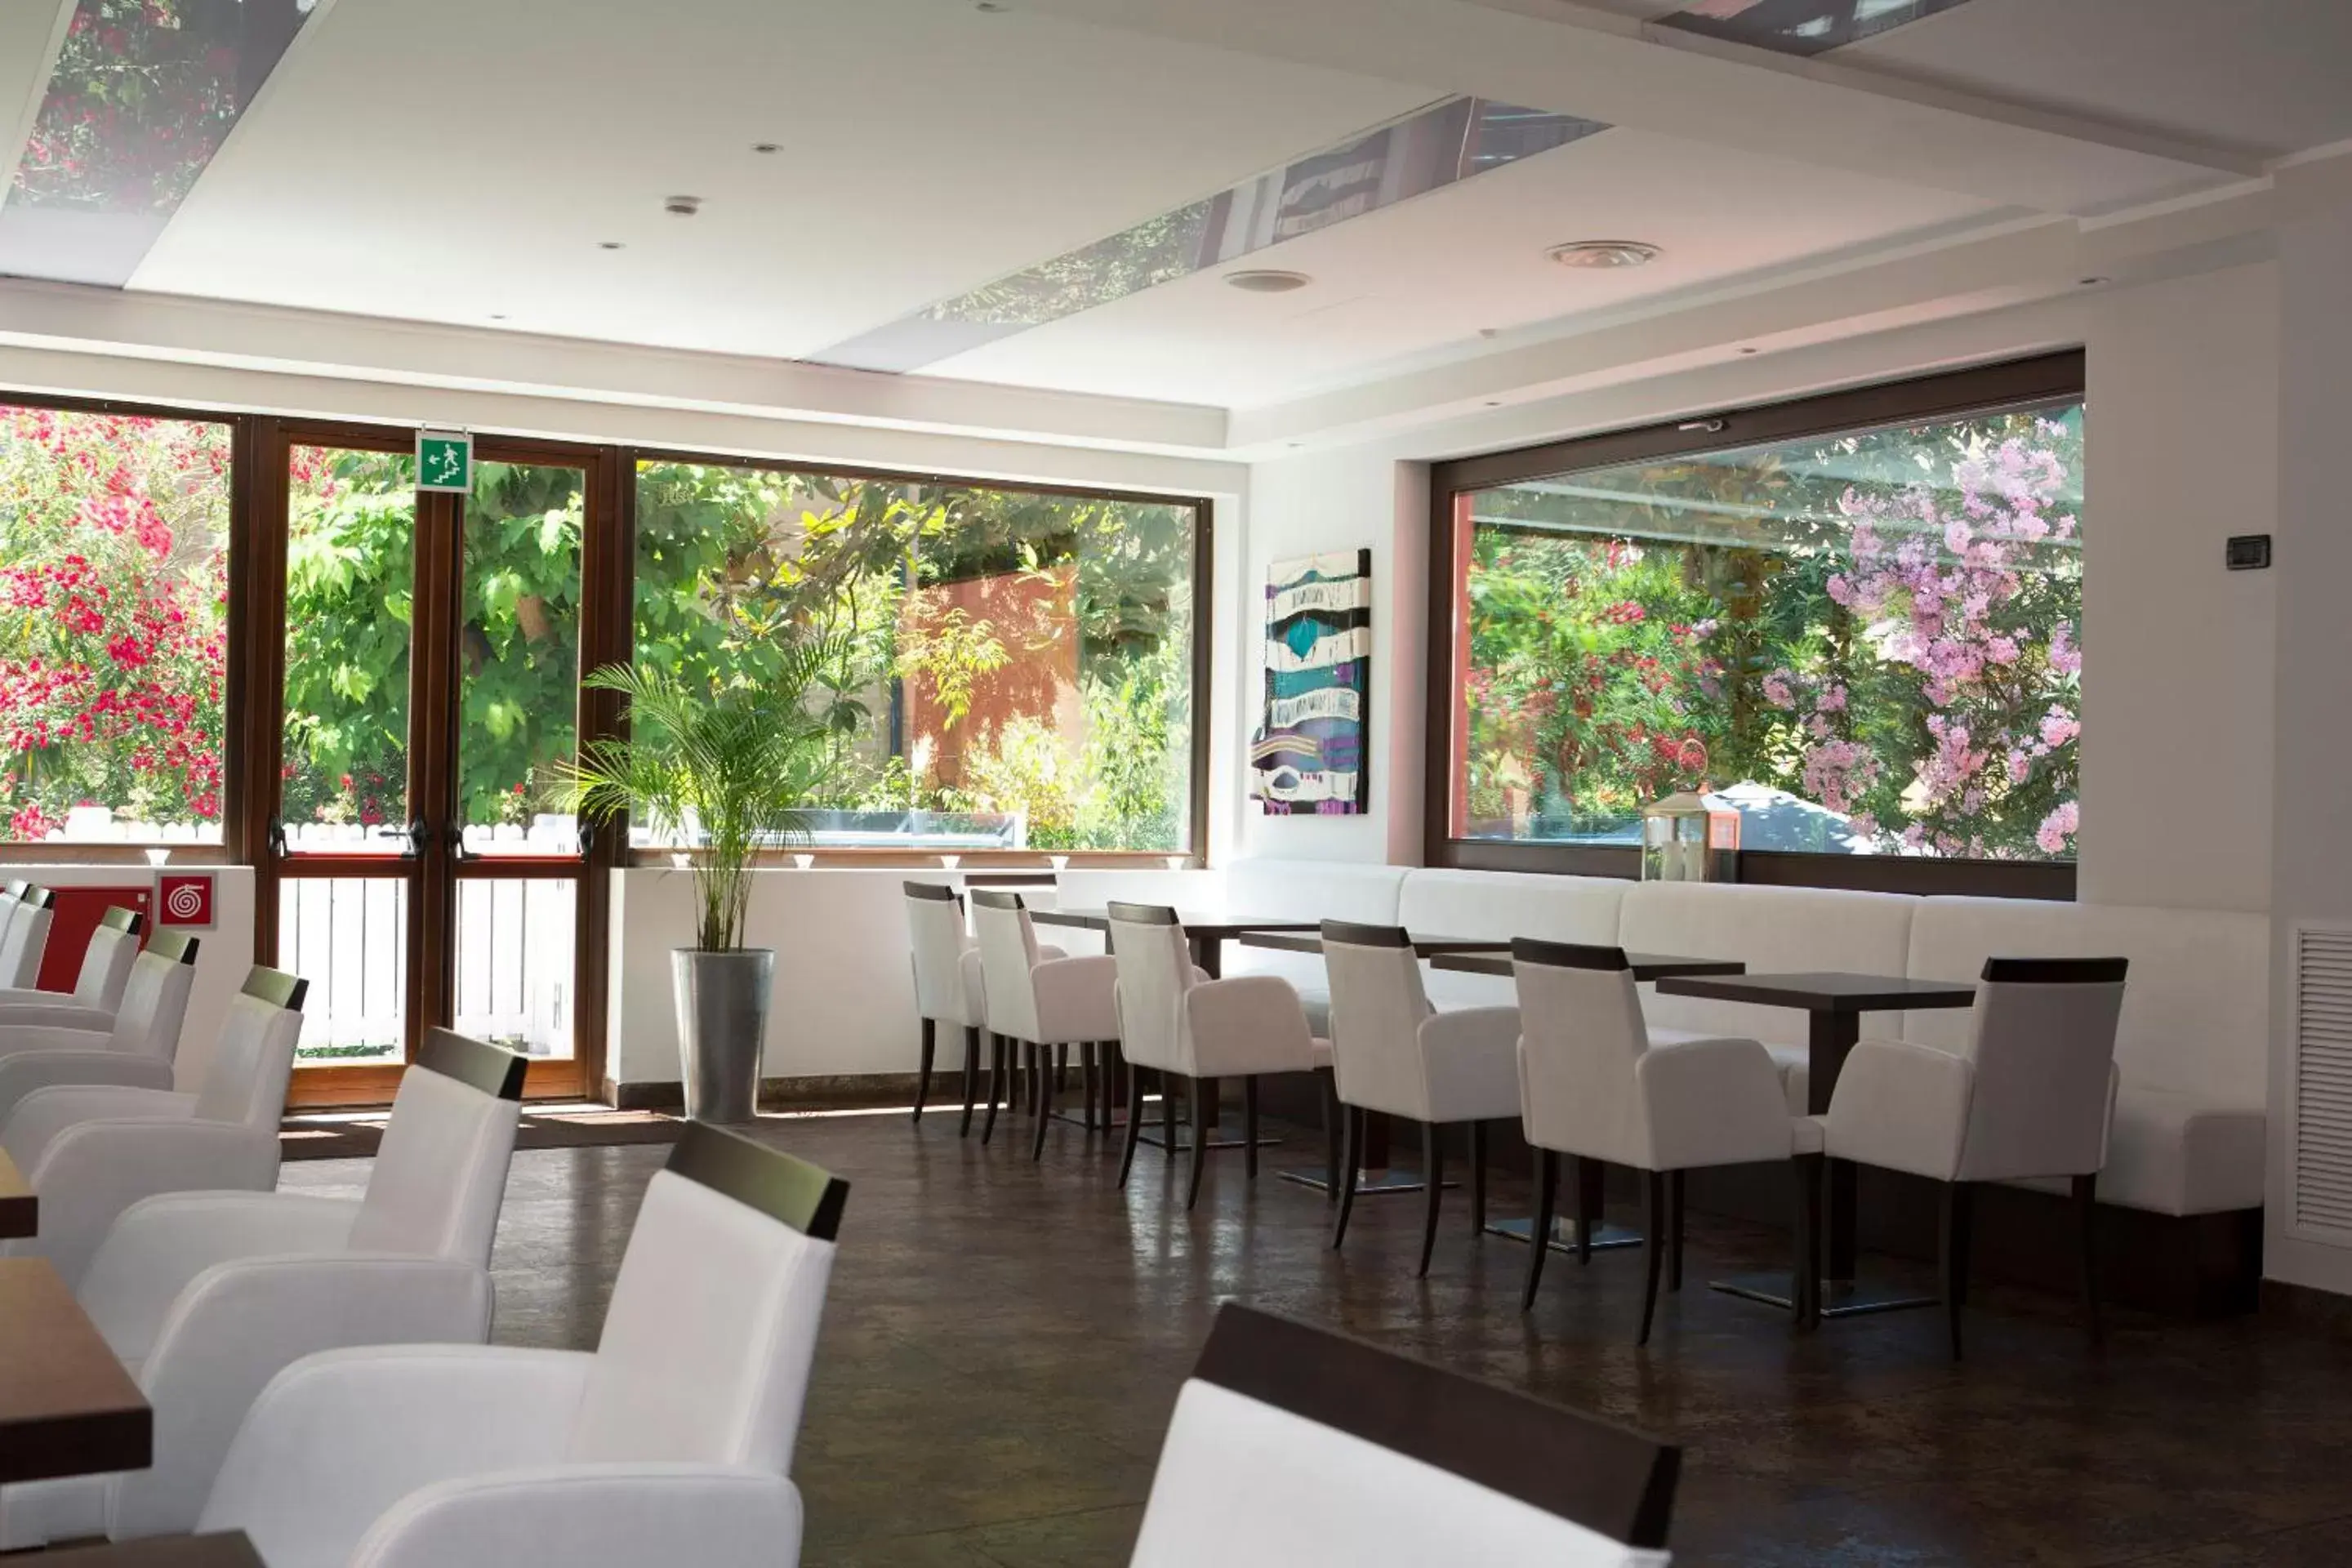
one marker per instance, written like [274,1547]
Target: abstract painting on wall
[1309,754]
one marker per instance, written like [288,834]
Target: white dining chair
[137,1046]
[1395,1054]
[25,938]
[1037,1003]
[98,984]
[949,988]
[2030,1094]
[1595,1085]
[1183,1026]
[208,1296]
[670,1443]
[1292,1445]
[90,1150]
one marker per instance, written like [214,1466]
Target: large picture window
[113,617]
[1017,668]
[1866,640]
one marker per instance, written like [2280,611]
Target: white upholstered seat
[206,1295]
[90,1150]
[949,988]
[98,984]
[1036,1000]
[24,934]
[671,1443]
[135,1046]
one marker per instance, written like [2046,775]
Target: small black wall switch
[2250,552]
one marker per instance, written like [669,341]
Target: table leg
[1568,1233]
[1373,1177]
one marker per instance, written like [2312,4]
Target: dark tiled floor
[1005,1341]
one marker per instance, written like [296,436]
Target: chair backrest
[2044,1049]
[246,1079]
[28,938]
[106,962]
[1008,951]
[441,1173]
[935,923]
[1582,1036]
[707,1344]
[155,997]
[1377,1008]
[1293,1444]
[12,904]
[1155,970]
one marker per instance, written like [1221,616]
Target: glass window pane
[348,936]
[113,605]
[518,658]
[514,952]
[1869,642]
[350,574]
[1017,665]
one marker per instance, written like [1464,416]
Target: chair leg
[1957,1217]
[1350,1161]
[1540,1238]
[1673,1230]
[1167,1081]
[1477,1178]
[1046,1084]
[923,1073]
[2086,1228]
[1654,1245]
[1204,1120]
[1249,1125]
[1584,1214]
[1134,1123]
[971,1076]
[1041,1063]
[999,1054]
[1806,1281]
[1433,1172]
[1335,1117]
[1091,1071]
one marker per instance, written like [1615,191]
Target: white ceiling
[452,161]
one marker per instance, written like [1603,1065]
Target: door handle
[414,833]
[454,836]
[276,836]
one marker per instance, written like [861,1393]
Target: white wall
[224,953]
[2311,872]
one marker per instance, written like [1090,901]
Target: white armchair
[135,1047]
[98,984]
[948,986]
[1177,1023]
[1290,1445]
[1596,1086]
[2031,1094]
[24,934]
[672,1443]
[1038,1001]
[206,1295]
[91,1150]
[1394,1053]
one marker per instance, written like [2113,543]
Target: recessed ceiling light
[497,316]
[2092,282]
[1603,253]
[1493,403]
[681,206]
[608,244]
[1266,281]
[991,6]
[1746,351]
[767,147]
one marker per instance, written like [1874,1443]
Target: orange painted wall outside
[1034,616]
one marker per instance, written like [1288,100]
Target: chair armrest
[1472,1057]
[52,1010]
[238,1324]
[159,1246]
[92,1171]
[593,1516]
[338,1438]
[1250,1023]
[23,1073]
[1902,1106]
[1712,1102]
[54,1036]
[36,1121]
[1074,999]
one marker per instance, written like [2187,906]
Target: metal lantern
[1688,837]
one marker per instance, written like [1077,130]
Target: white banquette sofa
[2191,1053]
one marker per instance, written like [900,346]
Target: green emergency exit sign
[444,460]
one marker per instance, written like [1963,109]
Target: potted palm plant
[723,772]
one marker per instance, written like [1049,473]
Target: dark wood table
[1646,966]
[1834,1003]
[229,1549]
[20,1211]
[66,1406]
[1207,933]
[1423,946]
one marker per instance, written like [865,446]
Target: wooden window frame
[1952,394]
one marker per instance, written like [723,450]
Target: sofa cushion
[1306,889]
[1502,904]
[1771,930]
[2174,1153]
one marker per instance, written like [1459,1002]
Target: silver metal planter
[722,1020]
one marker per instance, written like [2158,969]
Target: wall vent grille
[2323,1082]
